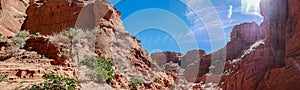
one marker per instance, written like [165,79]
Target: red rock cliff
[12,16]
[272,62]
[51,17]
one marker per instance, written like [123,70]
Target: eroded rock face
[51,17]
[292,28]
[192,57]
[195,65]
[162,58]
[45,47]
[26,67]
[241,37]
[12,16]
[275,64]
[195,62]
[265,56]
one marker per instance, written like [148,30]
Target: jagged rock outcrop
[110,40]
[162,58]
[195,65]
[45,47]
[12,16]
[195,62]
[273,64]
[241,37]
[192,56]
[265,56]
[50,17]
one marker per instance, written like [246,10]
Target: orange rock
[12,16]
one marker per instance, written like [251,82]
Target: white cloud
[204,16]
[230,12]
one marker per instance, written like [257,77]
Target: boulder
[45,47]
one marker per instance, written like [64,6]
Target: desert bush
[100,30]
[101,68]
[2,39]
[22,34]
[133,86]
[19,40]
[135,82]
[35,35]
[173,85]
[74,33]
[66,52]
[3,77]
[56,82]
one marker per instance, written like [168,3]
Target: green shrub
[22,34]
[135,81]
[72,32]
[2,39]
[3,77]
[56,82]
[66,53]
[102,68]
[173,85]
[100,30]
[133,86]
[19,40]
[154,61]
[35,35]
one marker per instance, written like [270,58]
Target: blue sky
[183,25]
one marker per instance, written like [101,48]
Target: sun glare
[250,7]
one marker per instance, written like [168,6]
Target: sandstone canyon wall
[50,18]
[262,56]
[259,57]
[273,65]
[12,15]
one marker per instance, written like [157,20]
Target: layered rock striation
[106,38]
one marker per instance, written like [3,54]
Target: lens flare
[250,7]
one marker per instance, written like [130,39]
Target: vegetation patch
[22,34]
[19,38]
[101,68]
[135,82]
[19,41]
[2,38]
[56,82]
[3,77]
